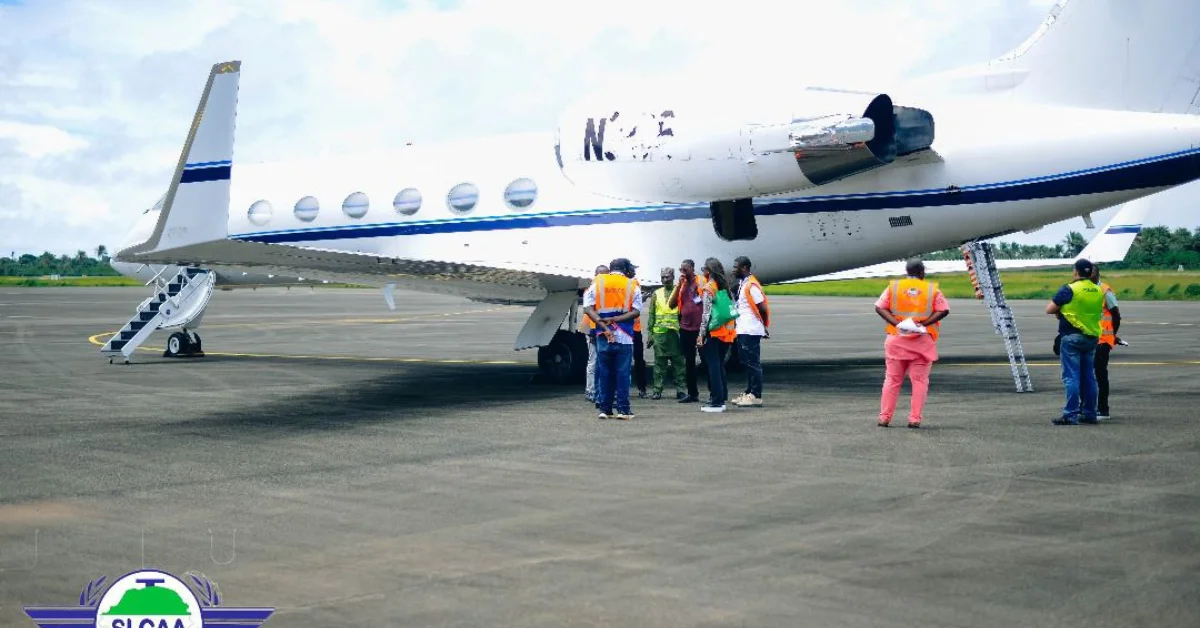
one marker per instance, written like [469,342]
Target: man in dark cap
[1078,306]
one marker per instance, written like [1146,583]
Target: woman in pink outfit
[912,308]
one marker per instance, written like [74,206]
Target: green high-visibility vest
[666,318]
[1085,308]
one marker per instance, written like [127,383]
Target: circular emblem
[149,599]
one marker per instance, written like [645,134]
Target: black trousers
[687,342]
[1102,352]
[639,361]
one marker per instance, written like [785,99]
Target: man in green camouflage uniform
[664,337]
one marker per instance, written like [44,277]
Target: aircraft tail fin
[1111,54]
[196,207]
[1113,243]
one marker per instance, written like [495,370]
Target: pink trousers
[918,376]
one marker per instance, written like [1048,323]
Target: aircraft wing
[514,283]
[1111,245]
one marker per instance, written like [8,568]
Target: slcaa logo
[149,599]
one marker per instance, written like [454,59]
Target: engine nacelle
[699,154]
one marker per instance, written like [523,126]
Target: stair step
[126,335]
[146,316]
[154,305]
[136,325]
[117,345]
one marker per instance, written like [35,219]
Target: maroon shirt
[690,312]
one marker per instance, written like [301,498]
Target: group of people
[1088,319]
[701,313]
[707,313]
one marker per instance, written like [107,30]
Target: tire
[564,360]
[177,345]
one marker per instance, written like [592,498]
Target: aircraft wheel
[197,347]
[564,360]
[177,345]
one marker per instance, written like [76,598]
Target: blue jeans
[1077,354]
[613,363]
[750,352]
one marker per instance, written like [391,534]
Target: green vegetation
[65,282]
[1020,284]
[48,264]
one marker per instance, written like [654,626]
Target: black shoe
[680,396]
[689,399]
[656,396]
[642,394]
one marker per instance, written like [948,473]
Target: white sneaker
[737,401]
[747,399]
[712,408]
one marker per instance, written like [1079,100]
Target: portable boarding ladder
[981,264]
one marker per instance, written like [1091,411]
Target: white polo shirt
[747,323]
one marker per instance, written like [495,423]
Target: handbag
[723,311]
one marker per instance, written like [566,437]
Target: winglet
[196,208]
[1114,242]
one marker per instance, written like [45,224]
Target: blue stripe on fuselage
[1162,171]
[1123,229]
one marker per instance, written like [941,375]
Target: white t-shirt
[589,300]
[747,323]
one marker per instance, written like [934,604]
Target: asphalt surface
[406,472]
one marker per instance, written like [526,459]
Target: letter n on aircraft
[593,140]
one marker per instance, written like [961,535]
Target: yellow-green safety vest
[1085,308]
[666,318]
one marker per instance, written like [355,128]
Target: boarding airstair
[177,303]
[981,264]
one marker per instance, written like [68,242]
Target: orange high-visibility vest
[614,294]
[913,298]
[753,281]
[728,331]
[1107,337]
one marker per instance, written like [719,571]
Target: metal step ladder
[176,304]
[981,264]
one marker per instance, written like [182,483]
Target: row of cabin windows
[462,199]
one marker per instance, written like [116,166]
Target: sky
[96,96]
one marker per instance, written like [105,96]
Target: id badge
[697,299]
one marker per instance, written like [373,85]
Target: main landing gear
[564,360]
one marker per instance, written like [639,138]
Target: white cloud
[91,123]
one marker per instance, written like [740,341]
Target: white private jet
[1089,113]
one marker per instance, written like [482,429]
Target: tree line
[82,264]
[1154,248]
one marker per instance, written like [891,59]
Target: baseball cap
[1083,267]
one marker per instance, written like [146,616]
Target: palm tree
[1073,244]
[102,253]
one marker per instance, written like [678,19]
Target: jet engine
[699,153]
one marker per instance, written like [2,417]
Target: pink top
[918,347]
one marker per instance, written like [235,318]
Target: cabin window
[260,213]
[307,209]
[356,205]
[520,194]
[407,201]
[462,198]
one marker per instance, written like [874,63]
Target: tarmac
[350,465]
